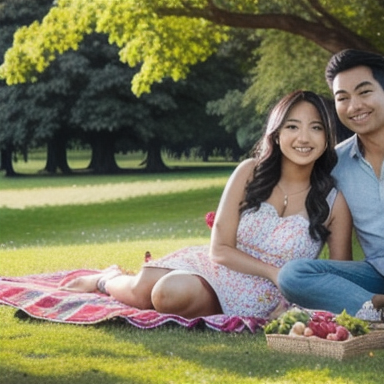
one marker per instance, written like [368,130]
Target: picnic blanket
[39,296]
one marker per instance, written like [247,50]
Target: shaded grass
[36,352]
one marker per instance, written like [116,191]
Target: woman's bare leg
[135,290]
[165,290]
[185,295]
[88,283]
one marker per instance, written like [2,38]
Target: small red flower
[210,218]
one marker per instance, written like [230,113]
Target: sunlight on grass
[129,255]
[306,376]
[22,198]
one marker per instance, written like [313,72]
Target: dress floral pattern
[264,235]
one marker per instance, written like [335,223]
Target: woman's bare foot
[88,284]
[85,284]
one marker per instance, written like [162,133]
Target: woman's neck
[295,176]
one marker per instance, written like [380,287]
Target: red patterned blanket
[39,297]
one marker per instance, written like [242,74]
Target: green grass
[150,217]
[47,239]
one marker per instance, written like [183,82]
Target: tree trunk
[103,153]
[57,155]
[6,162]
[154,162]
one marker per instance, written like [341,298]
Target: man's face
[359,100]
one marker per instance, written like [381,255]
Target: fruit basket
[323,334]
[327,348]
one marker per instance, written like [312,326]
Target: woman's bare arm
[340,224]
[223,239]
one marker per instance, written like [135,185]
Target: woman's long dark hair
[267,172]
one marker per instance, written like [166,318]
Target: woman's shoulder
[247,165]
[245,169]
[337,204]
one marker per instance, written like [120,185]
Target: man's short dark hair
[351,58]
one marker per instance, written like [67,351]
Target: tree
[238,118]
[14,14]
[166,37]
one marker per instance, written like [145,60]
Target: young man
[356,79]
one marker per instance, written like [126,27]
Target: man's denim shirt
[364,193]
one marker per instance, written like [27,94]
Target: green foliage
[17,108]
[164,46]
[239,117]
[365,19]
[286,63]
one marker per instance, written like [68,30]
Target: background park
[120,122]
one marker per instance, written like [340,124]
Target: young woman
[279,205]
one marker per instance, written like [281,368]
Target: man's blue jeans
[330,284]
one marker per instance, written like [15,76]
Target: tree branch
[332,37]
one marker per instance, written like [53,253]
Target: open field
[118,228]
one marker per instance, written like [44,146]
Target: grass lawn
[44,238]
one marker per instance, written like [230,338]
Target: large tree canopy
[166,37]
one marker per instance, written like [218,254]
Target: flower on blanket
[210,218]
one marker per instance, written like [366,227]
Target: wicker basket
[327,348]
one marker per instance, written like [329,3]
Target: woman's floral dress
[262,234]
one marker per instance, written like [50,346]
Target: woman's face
[302,137]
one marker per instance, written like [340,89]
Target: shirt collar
[357,149]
